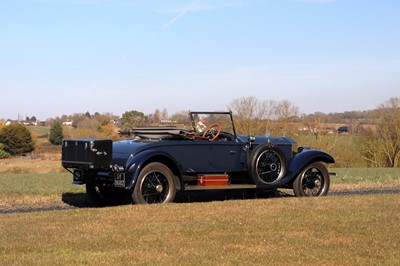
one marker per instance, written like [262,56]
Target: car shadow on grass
[81,200]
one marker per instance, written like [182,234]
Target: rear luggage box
[87,153]
[212,180]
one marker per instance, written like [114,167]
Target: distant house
[67,123]
[21,122]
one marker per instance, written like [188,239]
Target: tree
[254,116]
[382,148]
[56,134]
[17,139]
[285,113]
[3,153]
[389,130]
[164,114]
[251,114]
[132,119]
[157,117]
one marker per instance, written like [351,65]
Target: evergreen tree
[56,134]
[3,153]
[17,139]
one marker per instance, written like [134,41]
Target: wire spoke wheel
[155,187]
[155,184]
[267,164]
[313,181]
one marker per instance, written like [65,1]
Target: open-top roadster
[158,162]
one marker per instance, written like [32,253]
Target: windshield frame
[194,116]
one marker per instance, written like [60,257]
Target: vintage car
[155,163]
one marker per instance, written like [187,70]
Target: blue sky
[72,56]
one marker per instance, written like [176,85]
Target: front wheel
[155,184]
[313,181]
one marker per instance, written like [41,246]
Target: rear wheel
[155,184]
[313,181]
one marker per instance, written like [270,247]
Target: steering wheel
[211,130]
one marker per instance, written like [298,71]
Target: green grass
[358,230]
[34,184]
[369,175]
[358,178]
[40,130]
[35,189]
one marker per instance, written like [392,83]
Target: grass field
[331,231]
[40,225]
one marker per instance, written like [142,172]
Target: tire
[267,164]
[155,184]
[104,196]
[313,181]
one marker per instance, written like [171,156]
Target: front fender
[136,162]
[302,159]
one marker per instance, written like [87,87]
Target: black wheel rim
[269,166]
[155,187]
[313,182]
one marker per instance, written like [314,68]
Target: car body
[155,163]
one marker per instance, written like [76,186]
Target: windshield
[203,120]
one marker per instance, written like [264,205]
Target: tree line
[376,147]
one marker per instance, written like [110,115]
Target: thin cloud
[180,15]
[199,6]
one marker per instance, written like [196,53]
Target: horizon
[21,117]
[70,56]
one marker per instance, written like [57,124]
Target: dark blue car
[155,163]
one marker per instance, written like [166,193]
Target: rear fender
[302,159]
[136,163]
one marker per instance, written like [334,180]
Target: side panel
[228,157]
[192,156]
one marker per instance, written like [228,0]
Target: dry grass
[45,163]
[300,231]
[358,230]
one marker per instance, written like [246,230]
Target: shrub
[17,139]
[56,134]
[3,153]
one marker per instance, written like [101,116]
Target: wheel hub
[159,188]
[273,167]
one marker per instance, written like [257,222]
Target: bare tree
[251,114]
[382,148]
[285,110]
[389,130]
[164,114]
[285,113]
[157,116]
